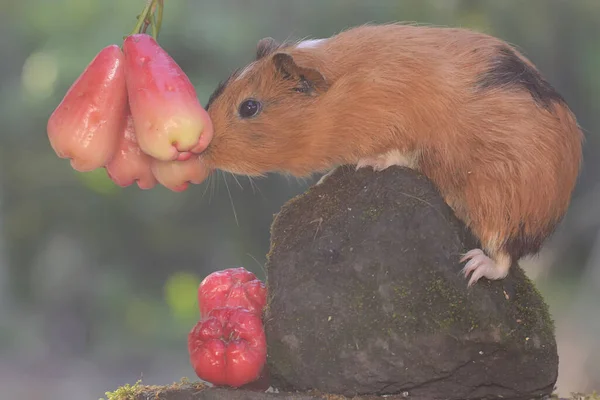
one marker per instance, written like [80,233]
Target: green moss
[125,392]
[438,307]
[442,307]
[401,292]
[372,213]
[531,311]
[456,310]
[129,392]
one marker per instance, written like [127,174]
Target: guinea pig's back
[501,137]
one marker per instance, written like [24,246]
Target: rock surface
[199,391]
[365,297]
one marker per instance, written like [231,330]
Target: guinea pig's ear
[309,80]
[265,47]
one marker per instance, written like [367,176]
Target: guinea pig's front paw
[482,266]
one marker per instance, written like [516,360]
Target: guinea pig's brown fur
[464,108]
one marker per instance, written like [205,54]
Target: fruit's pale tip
[180,188]
[145,184]
[159,154]
[119,182]
[122,184]
[80,166]
[179,147]
[184,156]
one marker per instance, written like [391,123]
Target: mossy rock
[366,297]
[186,390]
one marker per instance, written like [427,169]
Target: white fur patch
[386,160]
[309,44]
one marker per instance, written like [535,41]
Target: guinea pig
[464,108]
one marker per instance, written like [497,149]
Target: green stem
[142,17]
[158,18]
[154,30]
[151,16]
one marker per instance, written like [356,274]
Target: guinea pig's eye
[249,108]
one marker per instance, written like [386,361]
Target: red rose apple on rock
[233,287]
[228,347]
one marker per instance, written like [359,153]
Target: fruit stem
[154,30]
[142,17]
[148,17]
[157,17]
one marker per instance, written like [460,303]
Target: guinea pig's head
[264,114]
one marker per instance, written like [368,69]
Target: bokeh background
[98,283]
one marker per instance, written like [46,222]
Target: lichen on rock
[366,297]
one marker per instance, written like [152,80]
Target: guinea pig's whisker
[261,266]
[256,188]
[230,199]
[237,181]
[213,183]
[206,187]
[251,185]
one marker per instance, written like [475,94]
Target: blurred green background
[98,283]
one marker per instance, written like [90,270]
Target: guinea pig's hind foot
[479,265]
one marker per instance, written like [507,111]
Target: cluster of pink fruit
[227,346]
[134,112]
